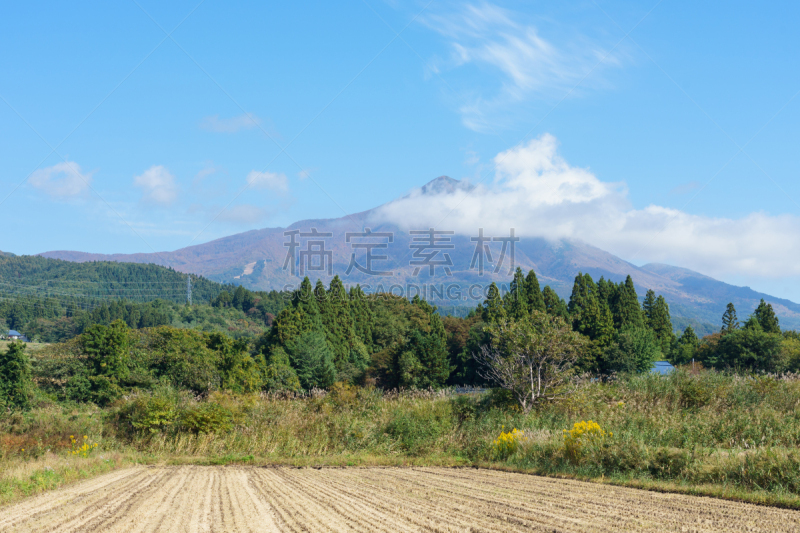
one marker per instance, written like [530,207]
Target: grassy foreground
[709,433]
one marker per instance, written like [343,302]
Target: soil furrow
[197,499]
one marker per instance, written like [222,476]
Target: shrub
[152,413]
[507,443]
[581,435]
[207,417]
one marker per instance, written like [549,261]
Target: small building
[662,367]
[14,335]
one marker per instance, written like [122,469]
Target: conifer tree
[517,303]
[584,292]
[554,304]
[765,315]
[535,296]
[661,323]
[647,307]
[493,305]
[337,322]
[626,306]
[606,291]
[363,317]
[729,320]
[596,322]
[689,337]
[16,385]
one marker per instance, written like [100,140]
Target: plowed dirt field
[196,498]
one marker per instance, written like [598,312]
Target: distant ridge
[256,258]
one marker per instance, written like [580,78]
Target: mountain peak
[444,185]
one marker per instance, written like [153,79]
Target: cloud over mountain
[539,194]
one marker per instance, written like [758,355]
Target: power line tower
[189,289]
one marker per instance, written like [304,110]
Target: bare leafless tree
[533,358]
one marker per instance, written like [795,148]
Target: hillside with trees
[51,300]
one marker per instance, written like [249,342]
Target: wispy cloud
[245,121]
[540,195]
[157,185]
[272,181]
[514,54]
[62,180]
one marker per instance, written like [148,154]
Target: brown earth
[197,498]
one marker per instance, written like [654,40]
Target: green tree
[606,291]
[337,322]
[312,359]
[16,384]
[765,315]
[584,291]
[363,317]
[730,322]
[685,348]
[535,297]
[421,362]
[533,358]
[106,349]
[626,306]
[749,348]
[660,322]
[636,350]
[517,306]
[237,370]
[493,309]
[553,304]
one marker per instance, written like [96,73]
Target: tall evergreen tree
[16,385]
[493,305]
[535,296]
[584,294]
[648,305]
[730,322]
[554,304]
[596,322]
[661,323]
[363,317]
[312,359]
[606,291]
[337,322]
[766,316]
[626,306]
[517,305]
[689,337]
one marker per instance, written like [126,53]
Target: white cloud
[61,180]
[272,181]
[245,121]
[525,64]
[158,185]
[540,195]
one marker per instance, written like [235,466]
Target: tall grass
[718,430]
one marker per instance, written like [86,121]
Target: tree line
[325,335]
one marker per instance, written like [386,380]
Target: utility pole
[189,289]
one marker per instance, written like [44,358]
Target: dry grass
[22,477]
[195,498]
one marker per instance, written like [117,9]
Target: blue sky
[115,137]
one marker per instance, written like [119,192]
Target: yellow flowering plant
[583,433]
[507,443]
[82,449]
